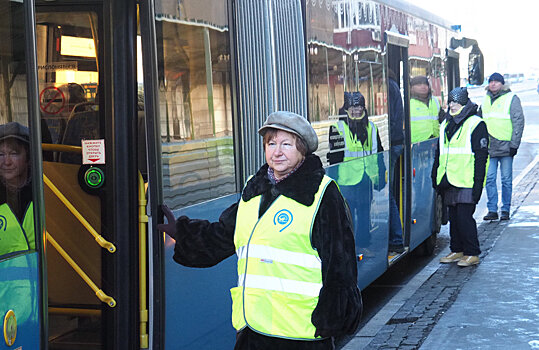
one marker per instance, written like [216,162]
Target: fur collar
[301,186]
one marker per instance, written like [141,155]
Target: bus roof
[417,11]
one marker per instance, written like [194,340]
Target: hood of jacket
[300,186]
[504,90]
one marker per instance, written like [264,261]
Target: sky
[507,31]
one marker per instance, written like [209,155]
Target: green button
[94,177]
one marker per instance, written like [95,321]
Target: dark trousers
[246,339]
[463,229]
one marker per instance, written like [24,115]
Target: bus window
[68,78]
[196,104]
[337,69]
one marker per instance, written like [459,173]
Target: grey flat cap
[14,130]
[294,123]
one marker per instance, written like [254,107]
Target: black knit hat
[459,95]
[496,77]
[353,99]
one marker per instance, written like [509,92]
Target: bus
[133,104]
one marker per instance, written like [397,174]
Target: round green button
[94,177]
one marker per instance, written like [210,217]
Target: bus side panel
[198,302]
[422,192]
[19,292]
[369,206]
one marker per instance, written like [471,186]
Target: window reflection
[195,101]
[16,210]
[345,56]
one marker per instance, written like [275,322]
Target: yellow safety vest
[424,119]
[456,155]
[498,117]
[352,173]
[14,236]
[279,272]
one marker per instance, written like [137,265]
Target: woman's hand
[170,227]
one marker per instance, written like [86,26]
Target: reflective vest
[424,119]
[352,173]
[279,272]
[456,155]
[14,236]
[497,116]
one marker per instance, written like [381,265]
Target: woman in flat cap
[292,233]
[16,212]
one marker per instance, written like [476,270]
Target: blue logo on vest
[3,223]
[283,217]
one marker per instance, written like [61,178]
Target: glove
[170,227]
[476,193]
[512,152]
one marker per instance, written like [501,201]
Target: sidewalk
[494,305]
[498,308]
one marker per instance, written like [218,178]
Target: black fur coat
[200,243]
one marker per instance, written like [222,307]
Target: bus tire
[427,247]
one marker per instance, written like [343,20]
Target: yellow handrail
[100,240]
[143,220]
[61,148]
[100,294]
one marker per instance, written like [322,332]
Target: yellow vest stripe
[279,255]
[281,285]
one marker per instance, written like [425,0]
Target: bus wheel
[427,247]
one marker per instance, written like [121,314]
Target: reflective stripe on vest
[352,173]
[15,237]
[279,272]
[456,155]
[353,147]
[424,119]
[498,116]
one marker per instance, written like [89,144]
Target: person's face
[282,154]
[356,112]
[420,90]
[494,86]
[454,106]
[13,163]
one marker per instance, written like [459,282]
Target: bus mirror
[476,66]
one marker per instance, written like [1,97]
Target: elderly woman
[16,213]
[291,229]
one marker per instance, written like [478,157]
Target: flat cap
[294,123]
[14,130]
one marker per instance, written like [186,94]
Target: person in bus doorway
[396,128]
[425,110]
[502,111]
[293,235]
[458,174]
[353,136]
[16,212]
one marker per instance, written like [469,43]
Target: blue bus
[130,105]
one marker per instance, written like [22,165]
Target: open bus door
[92,187]
[400,167]
[21,253]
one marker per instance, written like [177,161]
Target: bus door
[21,323]
[452,69]
[400,167]
[89,173]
